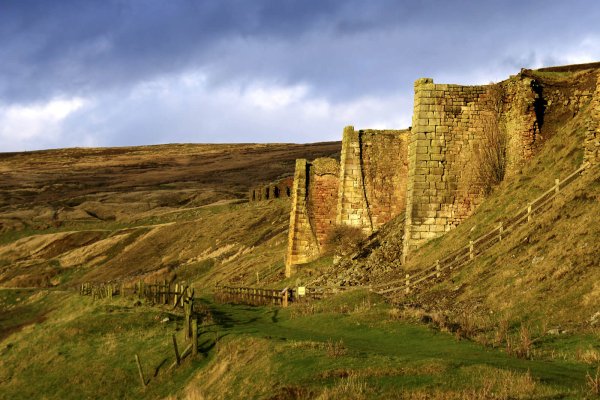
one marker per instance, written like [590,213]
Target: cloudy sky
[130,72]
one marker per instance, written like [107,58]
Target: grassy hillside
[158,211]
[537,293]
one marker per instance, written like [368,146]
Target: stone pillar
[312,217]
[302,243]
[420,140]
[352,207]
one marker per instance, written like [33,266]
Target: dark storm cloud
[280,68]
[78,46]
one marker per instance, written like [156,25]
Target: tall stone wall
[449,127]
[313,213]
[432,172]
[373,173]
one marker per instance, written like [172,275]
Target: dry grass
[336,348]
[589,356]
[520,345]
[351,387]
[333,348]
[222,378]
[304,308]
[593,382]
[467,325]
[501,333]
[489,384]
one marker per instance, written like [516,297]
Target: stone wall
[313,213]
[432,172]
[373,172]
[276,190]
[450,123]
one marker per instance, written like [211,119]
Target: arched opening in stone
[288,191]
[275,192]
[267,193]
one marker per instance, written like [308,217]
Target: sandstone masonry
[449,126]
[431,172]
[314,199]
[365,191]
[279,189]
[373,173]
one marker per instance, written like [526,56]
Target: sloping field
[104,214]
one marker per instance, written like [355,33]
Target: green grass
[86,350]
[349,342]
[375,344]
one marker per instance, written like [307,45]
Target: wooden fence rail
[253,296]
[477,246]
[178,295]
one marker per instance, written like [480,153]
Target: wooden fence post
[284,298]
[556,185]
[177,357]
[182,290]
[194,337]
[188,310]
[471,249]
[407,283]
[529,212]
[437,269]
[137,360]
[501,230]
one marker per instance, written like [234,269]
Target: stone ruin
[280,189]
[428,172]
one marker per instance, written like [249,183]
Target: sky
[79,73]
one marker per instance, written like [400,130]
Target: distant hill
[64,212]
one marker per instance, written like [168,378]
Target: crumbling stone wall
[279,189]
[592,139]
[373,173]
[449,123]
[520,120]
[313,213]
